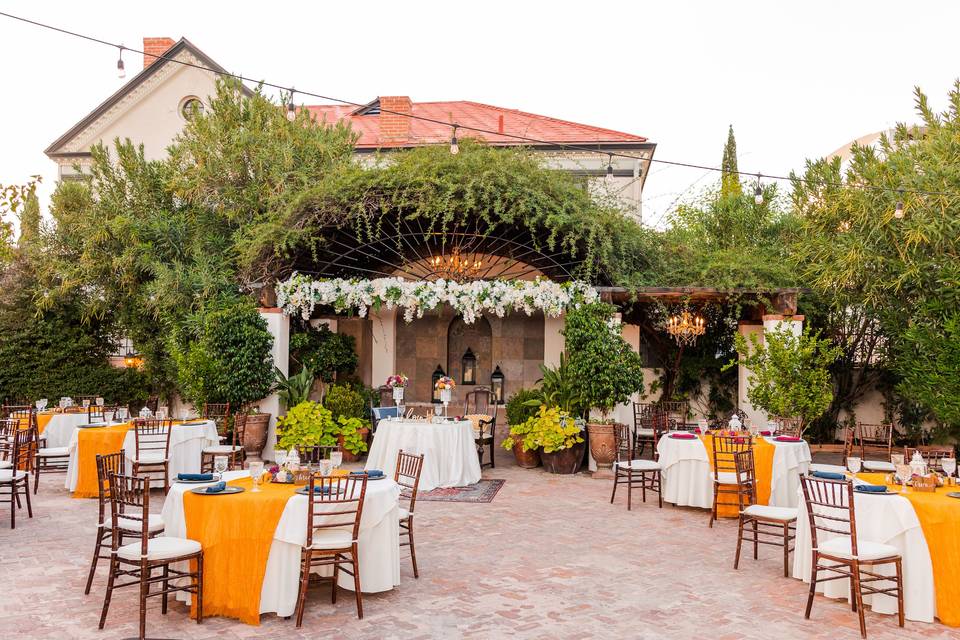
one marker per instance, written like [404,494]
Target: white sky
[795,81]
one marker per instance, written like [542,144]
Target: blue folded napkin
[828,475]
[217,488]
[324,489]
[193,477]
[871,488]
[371,473]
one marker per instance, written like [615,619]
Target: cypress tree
[730,182]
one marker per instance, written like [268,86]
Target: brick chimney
[153,47]
[395,127]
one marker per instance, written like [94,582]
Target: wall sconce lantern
[132,360]
[437,374]
[468,368]
[496,384]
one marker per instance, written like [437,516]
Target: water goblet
[336,458]
[949,466]
[325,467]
[904,472]
[99,401]
[256,470]
[281,457]
[86,403]
[854,464]
[220,465]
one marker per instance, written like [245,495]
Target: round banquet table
[186,444]
[449,451]
[58,427]
[925,529]
[688,476]
[251,544]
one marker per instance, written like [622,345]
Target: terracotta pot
[255,435]
[526,459]
[603,448]
[565,460]
[352,457]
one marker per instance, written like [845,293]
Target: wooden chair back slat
[407,475]
[480,401]
[313,454]
[744,465]
[724,450]
[110,463]
[129,499]
[830,508]
[336,502]
[24,414]
[932,454]
[152,436]
[875,439]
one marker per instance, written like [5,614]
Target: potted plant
[308,423]
[605,371]
[352,435]
[557,434]
[518,413]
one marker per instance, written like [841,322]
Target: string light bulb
[291,110]
[758,192]
[121,72]
[454,145]
[898,210]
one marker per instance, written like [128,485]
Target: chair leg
[144,590]
[166,585]
[786,549]
[629,489]
[659,480]
[336,581]
[813,584]
[26,493]
[756,541]
[493,464]
[200,588]
[36,476]
[101,532]
[736,557]
[858,598]
[304,583]
[616,481]
[413,549]
[356,581]
[713,509]
[14,502]
[109,592]
[899,592]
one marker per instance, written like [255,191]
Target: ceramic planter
[565,461]
[353,457]
[603,448]
[526,459]
[255,435]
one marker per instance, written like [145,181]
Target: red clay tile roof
[473,114]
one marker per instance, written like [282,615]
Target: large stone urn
[603,447]
[255,435]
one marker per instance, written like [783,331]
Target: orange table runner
[90,443]
[763,468]
[939,517]
[236,532]
[43,419]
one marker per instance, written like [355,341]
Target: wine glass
[99,401]
[325,467]
[904,472]
[336,458]
[949,466]
[281,457]
[256,470]
[854,464]
[220,465]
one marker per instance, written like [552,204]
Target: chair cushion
[728,477]
[222,449]
[7,475]
[160,548]
[53,452]
[780,514]
[5,464]
[404,513]
[827,468]
[639,465]
[866,550]
[332,538]
[879,465]
[151,457]
[645,432]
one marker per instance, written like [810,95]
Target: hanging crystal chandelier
[456,267]
[686,327]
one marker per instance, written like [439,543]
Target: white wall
[279,327]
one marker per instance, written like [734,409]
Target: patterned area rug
[483,491]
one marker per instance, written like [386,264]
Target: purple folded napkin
[683,436]
[787,439]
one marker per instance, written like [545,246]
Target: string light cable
[455,126]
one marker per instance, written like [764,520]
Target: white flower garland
[300,294]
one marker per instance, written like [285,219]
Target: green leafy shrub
[353,440]
[517,410]
[550,429]
[345,401]
[294,389]
[324,352]
[308,423]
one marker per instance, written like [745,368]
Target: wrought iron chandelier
[456,266]
[686,327]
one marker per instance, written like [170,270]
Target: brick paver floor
[548,558]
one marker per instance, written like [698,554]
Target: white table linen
[186,444]
[60,428]
[888,520]
[688,480]
[378,543]
[449,451]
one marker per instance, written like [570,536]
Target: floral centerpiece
[398,382]
[445,386]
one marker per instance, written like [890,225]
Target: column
[553,342]
[383,351]
[278,325]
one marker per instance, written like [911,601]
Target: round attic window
[190,107]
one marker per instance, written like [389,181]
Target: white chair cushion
[404,513]
[639,465]
[53,452]
[154,523]
[780,514]
[332,538]
[728,477]
[151,457]
[7,475]
[645,432]
[866,550]
[5,464]
[879,465]
[160,548]
[222,449]
[827,468]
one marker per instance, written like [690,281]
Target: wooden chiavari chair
[96,413]
[234,451]
[333,525]
[875,440]
[114,463]
[314,453]
[632,471]
[831,511]
[775,526]
[152,438]
[407,475]
[18,451]
[932,454]
[792,427]
[219,413]
[726,481]
[676,411]
[7,430]
[386,396]
[480,408]
[130,517]
[650,422]
[48,459]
